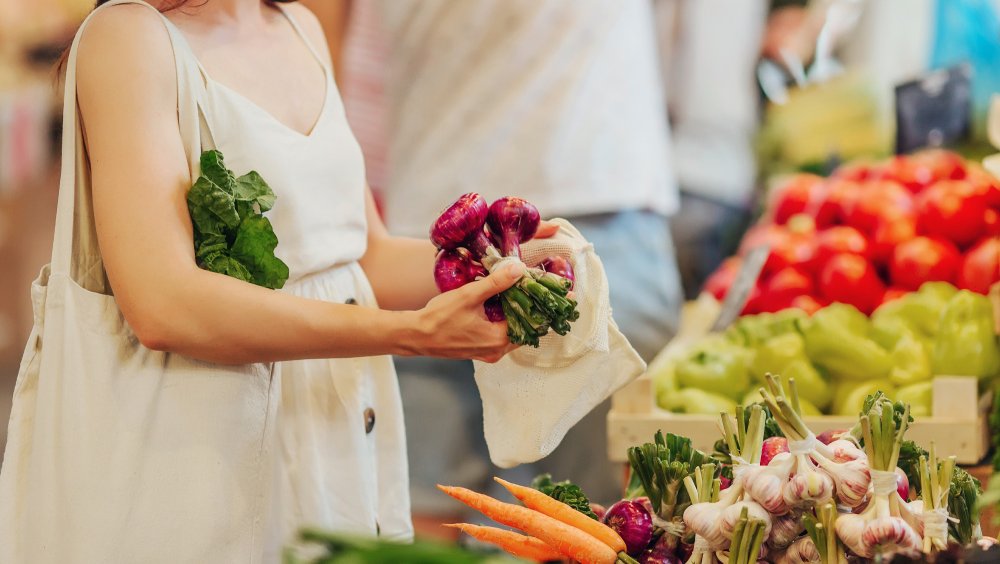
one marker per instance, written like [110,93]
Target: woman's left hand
[546,229]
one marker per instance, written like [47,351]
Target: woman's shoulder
[125,39]
[120,33]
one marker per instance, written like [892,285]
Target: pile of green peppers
[839,355]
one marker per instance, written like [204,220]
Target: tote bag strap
[74,249]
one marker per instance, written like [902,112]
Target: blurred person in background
[709,64]
[561,103]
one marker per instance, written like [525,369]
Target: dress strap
[74,248]
[305,39]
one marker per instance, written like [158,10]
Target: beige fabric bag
[117,453]
[533,396]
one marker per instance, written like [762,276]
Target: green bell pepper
[919,396]
[693,400]
[752,330]
[966,344]
[716,366]
[785,355]
[919,311]
[836,339]
[849,397]
[911,362]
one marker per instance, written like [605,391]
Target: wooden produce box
[957,425]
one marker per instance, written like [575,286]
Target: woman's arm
[389,260]
[126,87]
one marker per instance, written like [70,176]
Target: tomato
[787,249]
[878,201]
[851,279]
[991,222]
[831,201]
[792,196]
[838,239]
[720,280]
[754,304]
[952,209]
[786,284]
[985,183]
[918,171]
[889,233]
[857,171]
[980,266]
[908,172]
[807,303]
[923,259]
[892,293]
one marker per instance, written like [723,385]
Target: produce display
[872,232]
[475,238]
[838,355]
[772,491]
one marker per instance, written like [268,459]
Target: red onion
[632,522]
[494,311]
[559,266]
[459,221]
[512,221]
[454,269]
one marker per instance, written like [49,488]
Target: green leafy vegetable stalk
[658,472]
[231,236]
[994,426]
[322,547]
[566,492]
[963,505]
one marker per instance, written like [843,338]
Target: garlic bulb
[851,479]
[842,450]
[890,534]
[765,485]
[785,529]
[850,528]
[808,486]
[705,519]
[802,551]
[731,515]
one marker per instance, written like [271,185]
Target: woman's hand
[454,325]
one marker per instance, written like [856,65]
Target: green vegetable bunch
[322,547]
[963,505]
[231,236]
[566,492]
[659,469]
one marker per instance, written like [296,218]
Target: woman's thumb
[498,281]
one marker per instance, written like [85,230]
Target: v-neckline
[327,81]
[260,109]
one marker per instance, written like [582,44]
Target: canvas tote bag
[117,453]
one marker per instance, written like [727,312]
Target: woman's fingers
[546,229]
[481,290]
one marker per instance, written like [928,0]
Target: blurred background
[753,89]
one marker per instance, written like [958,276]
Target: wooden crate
[957,425]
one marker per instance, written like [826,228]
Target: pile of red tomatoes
[873,231]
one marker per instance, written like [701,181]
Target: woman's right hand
[454,324]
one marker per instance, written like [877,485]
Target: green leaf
[963,505]
[221,263]
[212,208]
[566,492]
[251,188]
[254,247]
[214,168]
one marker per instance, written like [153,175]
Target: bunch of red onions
[474,239]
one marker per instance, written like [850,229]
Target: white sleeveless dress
[342,457]
[322,440]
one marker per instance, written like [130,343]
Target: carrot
[514,543]
[556,509]
[567,540]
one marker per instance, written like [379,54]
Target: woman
[265,99]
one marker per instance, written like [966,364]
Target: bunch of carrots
[554,530]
